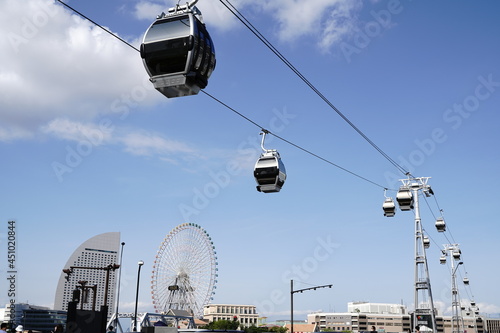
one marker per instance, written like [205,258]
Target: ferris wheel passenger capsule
[178,53]
[404,198]
[389,207]
[440,225]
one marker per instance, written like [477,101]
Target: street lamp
[299,291]
[140,263]
[118,290]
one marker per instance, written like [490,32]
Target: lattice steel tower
[407,198]
[453,251]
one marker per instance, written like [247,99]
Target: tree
[262,329]
[222,325]
[278,329]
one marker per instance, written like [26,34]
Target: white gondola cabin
[269,172]
[389,207]
[440,224]
[404,198]
[456,254]
[427,242]
[466,281]
[442,259]
[178,53]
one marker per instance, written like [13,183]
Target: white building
[97,252]
[391,318]
[381,308]
[245,314]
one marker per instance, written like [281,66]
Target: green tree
[222,325]
[278,329]
[262,329]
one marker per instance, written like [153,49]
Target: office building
[32,317]
[88,263]
[392,318]
[245,314]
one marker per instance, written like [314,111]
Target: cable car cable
[293,144]
[428,206]
[100,26]
[232,109]
[261,37]
[440,210]
[289,142]
[447,225]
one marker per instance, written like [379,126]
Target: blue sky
[88,146]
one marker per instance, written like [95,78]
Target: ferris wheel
[184,270]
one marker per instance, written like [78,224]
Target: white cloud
[135,142]
[327,21]
[55,64]
[145,10]
[149,144]
[14,133]
[488,308]
[66,129]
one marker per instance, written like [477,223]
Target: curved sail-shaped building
[98,251]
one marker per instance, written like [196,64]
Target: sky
[88,146]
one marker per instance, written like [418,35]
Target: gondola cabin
[456,254]
[404,198]
[178,53]
[427,242]
[466,281]
[442,259]
[269,172]
[440,225]
[389,207]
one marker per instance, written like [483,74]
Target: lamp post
[118,289]
[299,291]
[140,263]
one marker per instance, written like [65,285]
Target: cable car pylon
[408,199]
